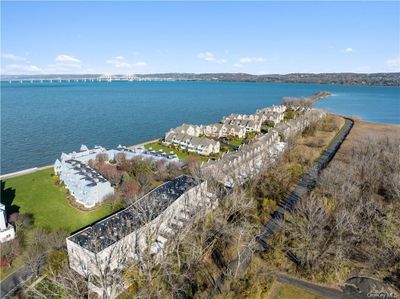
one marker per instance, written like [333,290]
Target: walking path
[320,290]
[22,172]
[307,183]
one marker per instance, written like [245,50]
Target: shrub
[289,114]
[56,260]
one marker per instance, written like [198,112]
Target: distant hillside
[383,79]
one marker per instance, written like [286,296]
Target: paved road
[9,285]
[287,205]
[323,291]
[17,279]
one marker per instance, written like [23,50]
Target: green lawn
[37,194]
[235,142]
[182,155]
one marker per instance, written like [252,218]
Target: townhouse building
[200,145]
[146,226]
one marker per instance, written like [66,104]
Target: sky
[159,37]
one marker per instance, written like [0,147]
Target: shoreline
[34,169]
[37,168]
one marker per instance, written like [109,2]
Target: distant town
[373,79]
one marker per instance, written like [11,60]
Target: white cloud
[207,56]
[348,50]
[64,64]
[63,67]
[210,57]
[67,58]
[238,65]
[251,59]
[393,63]
[245,60]
[140,64]
[120,62]
[22,68]
[12,57]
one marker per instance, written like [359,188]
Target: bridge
[72,79]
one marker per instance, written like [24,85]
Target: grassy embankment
[38,195]
[305,150]
[285,291]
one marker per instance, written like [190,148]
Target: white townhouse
[200,145]
[250,158]
[149,223]
[248,125]
[223,130]
[298,124]
[7,231]
[247,161]
[192,130]
[88,186]
[234,130]
[85,184]
[273,108]
[275,117]
[254,117]
[274,113]
[214,130]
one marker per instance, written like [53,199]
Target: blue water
[41,120]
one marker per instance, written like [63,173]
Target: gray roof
[195,140]
[106,232]
[87,172]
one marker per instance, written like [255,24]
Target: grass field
[236,141]
[156,146]
[37,194]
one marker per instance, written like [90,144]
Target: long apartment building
[200,145]
[246,124]
[219,130]
[85,184]
[201,139]
[249,159]
[275,113]
[298,124]
[148,224]
[188,137]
